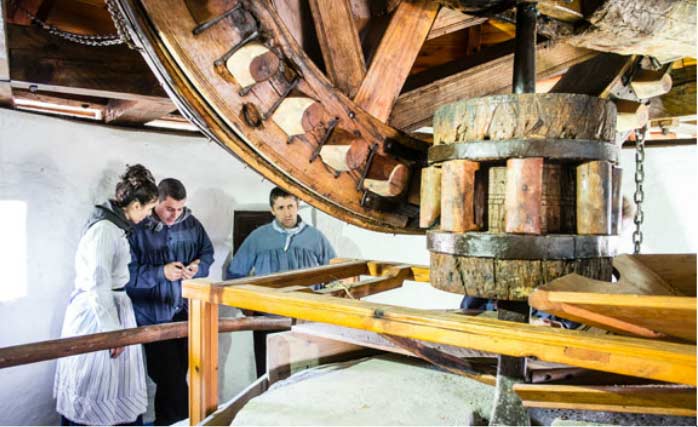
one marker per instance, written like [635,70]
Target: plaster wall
[52,171]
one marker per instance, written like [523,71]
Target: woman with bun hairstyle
[106,387]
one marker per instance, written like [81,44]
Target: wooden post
[457,189]
[430,197]
[203,359]
[594,198]
[522,200]
[550,203]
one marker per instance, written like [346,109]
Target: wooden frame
[287,294]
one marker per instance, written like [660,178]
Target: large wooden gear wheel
[236,70]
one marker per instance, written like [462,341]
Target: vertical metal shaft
[525,52]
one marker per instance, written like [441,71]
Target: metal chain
[119,23]
[84,39]
[639,192]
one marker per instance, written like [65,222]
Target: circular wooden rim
[553,149]
[519,246]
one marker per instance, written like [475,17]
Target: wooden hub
[521,189]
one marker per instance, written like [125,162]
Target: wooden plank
[681,99]
[52,64]
[418,273]
[643,399]
[203,360]
[63,347]
[294,351]
[130,112]
[629,356]
[416,107]
[396,53]
[640,303]
[339,43]
[225,414]
[449,20]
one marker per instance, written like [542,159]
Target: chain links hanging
[120,37]
[639,197]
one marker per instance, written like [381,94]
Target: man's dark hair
[170,187]
[277,192]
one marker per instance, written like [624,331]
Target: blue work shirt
[154,244]
[273,249]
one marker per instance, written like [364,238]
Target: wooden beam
[596,76]
[449,21]
[396,53]
[681,99]
[628,356]
[47,63]
[642,399]
[415,108]
[5,88]
[392,280]
[131,112]
[203,360]
[64,347]
[339,43]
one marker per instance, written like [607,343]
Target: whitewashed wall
[52,171]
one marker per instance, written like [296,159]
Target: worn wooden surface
[568,199]
[594,180]
[519,116]
[132,112]
[339,43]
[225,414]
[457,187]
[616,200]
[641,399]
[391,64]
[630,356]
[649,83]
[507,279]
[631,115]
[522,199]
[430,196]
[676,270]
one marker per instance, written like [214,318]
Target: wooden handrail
[53,349]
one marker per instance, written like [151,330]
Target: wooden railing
[53,349]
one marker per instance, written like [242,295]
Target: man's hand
[190,271]
[174,271]
[115,352]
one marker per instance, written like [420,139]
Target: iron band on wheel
[553,149]
[522,247]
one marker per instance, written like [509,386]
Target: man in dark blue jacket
[167,248]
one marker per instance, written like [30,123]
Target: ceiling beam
[415,108]
[681,99]
[40,61]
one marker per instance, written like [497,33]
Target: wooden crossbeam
[339,43]
[136,112]
[396,54]
[416,107]
[681,99]
[47,63]
[628,356]
[644,399]
[392,278]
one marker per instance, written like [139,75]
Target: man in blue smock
[287,243]
[166,248]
